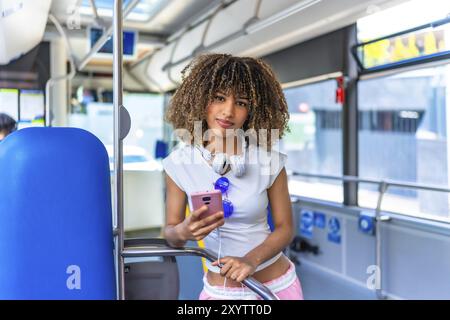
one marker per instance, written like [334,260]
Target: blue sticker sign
[366,224]
[334,230]
[306,223]
[319,220]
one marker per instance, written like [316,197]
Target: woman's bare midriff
[275,270]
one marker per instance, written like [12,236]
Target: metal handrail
[118,205]
[159,249]
[383,186]
[389,182]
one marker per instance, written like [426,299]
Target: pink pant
[288,285]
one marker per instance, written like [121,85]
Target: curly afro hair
[208,74]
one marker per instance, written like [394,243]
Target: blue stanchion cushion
[56,237]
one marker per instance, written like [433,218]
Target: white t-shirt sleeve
[277,163]
[171,169]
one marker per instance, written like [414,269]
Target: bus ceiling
[166,34]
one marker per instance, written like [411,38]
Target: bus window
[9,102]
[314,144]
[403,125]
[92,110]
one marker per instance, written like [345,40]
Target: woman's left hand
[235,268]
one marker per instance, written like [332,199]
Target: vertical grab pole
[382,188]
[118,144]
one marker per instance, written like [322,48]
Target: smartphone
[212,199]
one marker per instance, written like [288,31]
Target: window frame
[405,63]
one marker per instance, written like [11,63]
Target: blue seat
[56,237]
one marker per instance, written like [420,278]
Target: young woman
[228,111]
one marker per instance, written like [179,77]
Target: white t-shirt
[247,227]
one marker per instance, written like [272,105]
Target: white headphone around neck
[221,161]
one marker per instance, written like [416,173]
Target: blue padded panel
[55,212]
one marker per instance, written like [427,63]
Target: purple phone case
[213,199]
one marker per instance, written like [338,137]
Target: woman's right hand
[195,228]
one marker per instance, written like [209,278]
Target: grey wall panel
[416,263]
[330,255]
[360,251]
[312,58]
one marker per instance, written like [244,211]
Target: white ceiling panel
[189,42]
[230,20]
